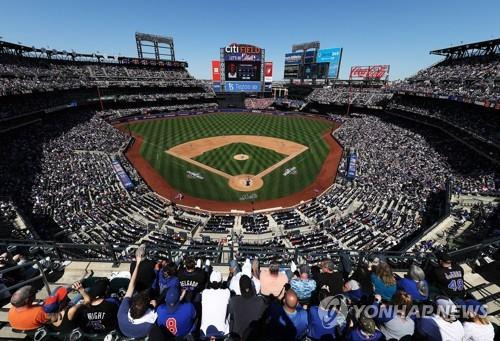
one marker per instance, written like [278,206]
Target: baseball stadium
[249,183]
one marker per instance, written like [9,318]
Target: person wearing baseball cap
[442,325]
[327,319]
[448,277]
[477,327]
[176,317]
[245,311]
[365,330]
[98,315]
[214,301]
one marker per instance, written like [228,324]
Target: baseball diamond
[208,144]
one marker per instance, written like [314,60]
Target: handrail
[41,276]
[222,254]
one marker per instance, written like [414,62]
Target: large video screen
[332,57]
[242,71]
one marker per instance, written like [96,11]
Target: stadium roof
[468,50]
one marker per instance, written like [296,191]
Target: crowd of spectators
[400,171]
[25,81]
[60,174]
[480,123]
[286,103]
[258,103]
[354,96]
[474,78]
[186,300]
[112,114]
[21,75]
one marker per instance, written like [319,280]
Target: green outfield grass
[223,158]
[161,135]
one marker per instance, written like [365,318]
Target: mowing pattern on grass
[223,159]
[163,134]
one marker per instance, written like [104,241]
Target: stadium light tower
[163,46]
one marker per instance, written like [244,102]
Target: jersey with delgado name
[192,282]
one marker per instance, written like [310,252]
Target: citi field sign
[242,48]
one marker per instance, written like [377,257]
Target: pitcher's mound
[245,183]
[241,157]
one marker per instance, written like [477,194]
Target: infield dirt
[189,150]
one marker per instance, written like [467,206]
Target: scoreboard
[242,71]
[242,68]
[313,64]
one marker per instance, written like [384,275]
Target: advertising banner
[268,72]
[215,71]
[332,57]
[245,57]
[373,72]
[122,175]
[329,55]
[216,86]
[293,58]
[231,86]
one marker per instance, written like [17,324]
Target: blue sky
[399,33]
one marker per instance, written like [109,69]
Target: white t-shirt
[213,309]
[450,331]
[478,332]
[234,285]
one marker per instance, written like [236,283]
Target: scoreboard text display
[242,68]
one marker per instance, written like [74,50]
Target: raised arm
[131,284]
[77,286]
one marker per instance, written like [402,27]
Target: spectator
[272,281]
[147,273]
[245,311]
[288,321]
[393,319]
[256,269]
[477,327]
[442,325]
[383,281]
[59,304]
[365,330]
[248,271]
[234,273]
[178,318]
[24,315]
[135,315]
[303,286]
[192,281]
[166,277]
[329,280]
[359,287]
[214,303]
[326,322]
[448,277]
[12,277]
[256,275]
[97,314]
[414,284]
